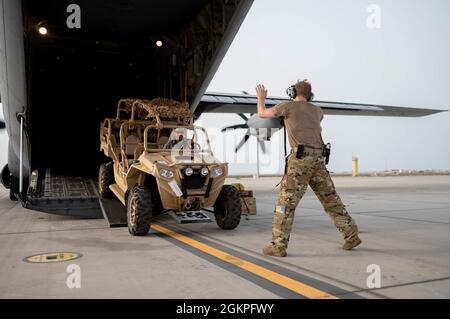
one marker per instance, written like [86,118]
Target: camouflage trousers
[310,170]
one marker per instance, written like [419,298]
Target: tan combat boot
[271,250]
[350,244]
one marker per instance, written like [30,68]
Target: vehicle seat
[113,141]
[138,151]
[131,143]
[162,141]
[114,145]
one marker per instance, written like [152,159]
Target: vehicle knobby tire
[105,179]
[227,208]
[139,211]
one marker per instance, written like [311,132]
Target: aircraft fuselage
[65,64]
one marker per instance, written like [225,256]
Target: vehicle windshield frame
[205,150]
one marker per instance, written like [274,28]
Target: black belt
[294,149]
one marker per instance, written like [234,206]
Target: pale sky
[404,63]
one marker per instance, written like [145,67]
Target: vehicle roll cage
[143,120]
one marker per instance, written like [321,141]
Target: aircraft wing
[241,103]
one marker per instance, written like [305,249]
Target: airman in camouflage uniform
[302,120]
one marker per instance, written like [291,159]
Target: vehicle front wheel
[105,178]
[227,208]
[139,211]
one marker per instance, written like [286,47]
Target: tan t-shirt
[302,121]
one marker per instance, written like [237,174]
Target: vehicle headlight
[216,172]
[204,171]
[165,173]
[188,171]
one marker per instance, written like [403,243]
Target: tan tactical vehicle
[162,162]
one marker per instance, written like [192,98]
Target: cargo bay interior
[76,76]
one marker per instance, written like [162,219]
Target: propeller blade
[242,116]
[232,127]
[243,141]
[263,146]
[2,125]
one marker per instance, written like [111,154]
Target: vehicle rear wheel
[105,178]
[227,208]
[139,211]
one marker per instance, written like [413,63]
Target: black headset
[292,93]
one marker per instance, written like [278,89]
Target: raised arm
[264,113]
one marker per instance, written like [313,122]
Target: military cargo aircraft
[65,64]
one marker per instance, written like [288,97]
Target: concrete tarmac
[404,223]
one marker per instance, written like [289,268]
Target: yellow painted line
[286,282]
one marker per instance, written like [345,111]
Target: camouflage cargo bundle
[162,107]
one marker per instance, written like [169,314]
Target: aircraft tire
[12,196]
